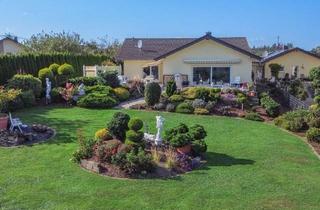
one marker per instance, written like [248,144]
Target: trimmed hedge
[97,100]
[31,63]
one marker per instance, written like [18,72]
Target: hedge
[31,63]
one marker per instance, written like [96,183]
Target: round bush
[121,93]
[28,98]
[197,132]
[184,108]
[199,147]
[199,103]
[102,134]
[65,69]
[26,82]
[313,134]
[97,100]
[180,140]
[54,68]
[152,93]
[170,107]
[100,89]
[119,125]
[135,124]
[45,73]
[201,111]
[176,98]
[134,136]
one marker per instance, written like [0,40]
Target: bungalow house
[294,61]
[10,45]
[205,60]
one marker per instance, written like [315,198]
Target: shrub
[203,93]
[10,100]
[170,107]
[28,98]
[201,111]
[293,121]
[171,88]
[159,106]
[119,125]
[197,132]
[85,147]
[296,88]
[170,133]
[176,98]
[121,93]
[317,99]
[152,93]
[65,70]
[180,140]
[134,136]
[106,150]
[313,134]
[100,89]
[199,147]
[275,68]
[189,93]
[26,82]
[109,78]
[102,134]
[198,103]
[54,68]
[315,73]
[136,88]
[271,106]
[97,100]
[253,116]
[210,106]
[215,94]
[45,73]
[184,108]
[55,94]
[135,124]
[87,81]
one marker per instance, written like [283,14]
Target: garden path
[128,104]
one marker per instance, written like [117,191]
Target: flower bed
[120,150]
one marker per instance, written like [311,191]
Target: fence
[92,71]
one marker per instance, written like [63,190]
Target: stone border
[36,143]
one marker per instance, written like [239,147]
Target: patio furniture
[15,123]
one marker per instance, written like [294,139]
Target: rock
[90,165]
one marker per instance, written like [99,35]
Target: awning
[155,63]
[212,61]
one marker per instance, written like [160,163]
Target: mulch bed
[32,135]
[316,146]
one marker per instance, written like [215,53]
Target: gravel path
[127,104]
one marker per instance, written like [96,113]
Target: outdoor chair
[15,123]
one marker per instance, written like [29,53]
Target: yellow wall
[174,64]
[10,47]
[209,49]
[296,58]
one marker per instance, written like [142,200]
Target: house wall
[133,68]
[296,58]
[208,49]
[9,46]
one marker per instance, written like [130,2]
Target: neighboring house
[205,60]
[295,61]
[9,45]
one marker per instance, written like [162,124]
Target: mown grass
[251,165]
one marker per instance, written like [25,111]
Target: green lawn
[251,165]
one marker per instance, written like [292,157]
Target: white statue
[48,90]
[81,90]
[160,121]
[178,80]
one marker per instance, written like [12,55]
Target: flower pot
[185,149]
[4,121]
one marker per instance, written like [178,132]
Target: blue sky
[260,21]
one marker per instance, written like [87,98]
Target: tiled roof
[284,52]
[153,48]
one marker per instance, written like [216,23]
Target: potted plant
[3,121]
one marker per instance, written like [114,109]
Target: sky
[261,21]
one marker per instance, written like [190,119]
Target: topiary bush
[26,82]
[54,68]
[199,146]
[313,134]
[102,134]
[121,93]
[171,88]
[134,136]
[109,78]
[135,124]
[45,73]
[253,116]
[66,69]
[102,89]
[119,125]
[152,93]
[97,100]
[185,108]
[28,98]
[180,140]
[87,81]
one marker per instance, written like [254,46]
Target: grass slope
[251,165]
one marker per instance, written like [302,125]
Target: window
[208,75]
[201,75]
[154,72]
[221,74]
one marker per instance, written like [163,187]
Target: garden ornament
[48,90]
[81,90]
[160,121]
